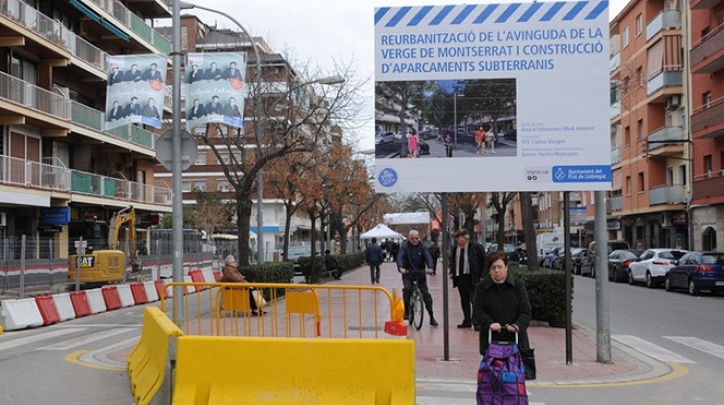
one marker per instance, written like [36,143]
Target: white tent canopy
[406,218]
[381,231]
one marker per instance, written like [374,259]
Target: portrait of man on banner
[136,90]
[215,86]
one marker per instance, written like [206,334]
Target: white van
[547,241]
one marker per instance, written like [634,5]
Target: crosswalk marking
[71,343]
[448,392]
[699,344]
[452,401]
[37,338]
[651,350]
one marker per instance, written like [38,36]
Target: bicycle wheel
[416,309]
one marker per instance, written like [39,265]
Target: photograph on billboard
[492,97]
[215,89]
[136,90]
[448,118]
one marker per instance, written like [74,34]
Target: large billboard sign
[492,97]
[136,89]
[215,89]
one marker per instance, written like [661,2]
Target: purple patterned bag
[501,377]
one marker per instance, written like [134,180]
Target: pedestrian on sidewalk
[331,265]
[411,262]
[466,271]
[435,253]
[501,304]
[231,274]
[374,257]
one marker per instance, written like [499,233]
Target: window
[642,186]
[706,99]
[223,185]
[625,37]
[200,185]
[628,185]
[641,129]
[639,24]
[200,159]
[639,77]
[707,165]
[682,175]
[627,136]
[185,186]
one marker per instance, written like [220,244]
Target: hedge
[546,292]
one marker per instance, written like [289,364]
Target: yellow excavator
[108,266]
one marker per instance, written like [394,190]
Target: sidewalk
[549,344]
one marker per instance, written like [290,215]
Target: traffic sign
[164,150]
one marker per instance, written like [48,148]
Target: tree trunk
[313,236]
[526,212]
[243,220]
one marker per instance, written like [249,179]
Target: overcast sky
[317,31]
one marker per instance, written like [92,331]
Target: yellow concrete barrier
[149,363]
[246,370]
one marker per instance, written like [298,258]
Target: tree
[210,212]
[500,201]
[294,118]
[526,212]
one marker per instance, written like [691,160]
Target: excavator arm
[124,216]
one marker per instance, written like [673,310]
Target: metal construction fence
[281,310]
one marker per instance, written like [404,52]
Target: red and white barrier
[151,292]
[209,276]
[189,288]
[64,306]
[125,295]
[139,293]
[95,300]
[20,314]
[81,307]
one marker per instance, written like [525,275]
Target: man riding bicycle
[411,262]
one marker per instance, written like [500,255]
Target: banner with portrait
[136,90]
[215,89]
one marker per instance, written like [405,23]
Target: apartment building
[706,56]
[57,163]
[649,127]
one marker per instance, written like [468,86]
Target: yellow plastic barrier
[148,364]
[244,370]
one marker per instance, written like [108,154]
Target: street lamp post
[258,128]
[455,117]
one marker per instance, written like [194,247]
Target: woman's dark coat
[505,303]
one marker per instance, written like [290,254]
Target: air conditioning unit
[3,219]
[673,102]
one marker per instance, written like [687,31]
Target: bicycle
[416,311]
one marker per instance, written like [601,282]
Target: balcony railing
[134,24]
[707,46]
[615,109]
[617,203]
[664,79]
[33,97]
[667,195]
[54,32]
[42,176]
[667,19]
[708,116]
[666,136]
[615,155]
[615,62]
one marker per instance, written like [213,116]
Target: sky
[318,32]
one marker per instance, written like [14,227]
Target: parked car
[383,138]
[651,267]
[697,271]
[588,262]
[618,262]
[560,260]
[295,252]
[509,250]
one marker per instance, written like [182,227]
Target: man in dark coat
[501,304]
[213,72]
[149,110]
[152,73]
[133,75]
[132,109]
[374,257]
[232,72]
[466,270]
[411,262]
[231,109]
[214,107]
[196,111]
[196,74]
[115,113]
[331,265]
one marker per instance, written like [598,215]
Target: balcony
[616,203]
[708,120]
[674,194]
[667,19]
[666,139]
[33,98]
[663,80]
[615,155]
[615,110]
[615,62]
[707,54]
[707,187]
[42,176]
[54,32]
[703,4]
